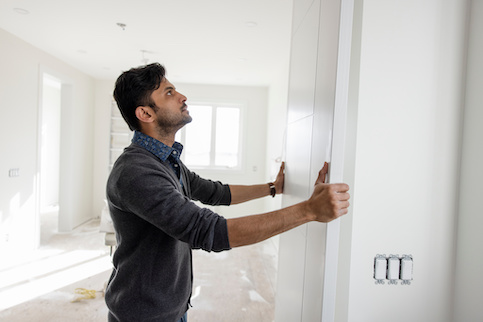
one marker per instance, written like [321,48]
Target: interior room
[387,92]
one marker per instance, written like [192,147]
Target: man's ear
[145,114]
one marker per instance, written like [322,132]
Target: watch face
[273,191]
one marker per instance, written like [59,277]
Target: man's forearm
[240,193]
[328,202]
[253,229]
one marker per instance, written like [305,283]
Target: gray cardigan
[156,226]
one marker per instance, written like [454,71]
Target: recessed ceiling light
[21,11]
[251,24]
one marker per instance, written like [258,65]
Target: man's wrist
[307,211]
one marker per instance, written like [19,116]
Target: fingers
[331,200]
[281,172]
[339,199]
[342,196]
[336,187]
[343,211]
[279,181]
[340,207]
[322,174]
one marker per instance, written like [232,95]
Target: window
[212,140]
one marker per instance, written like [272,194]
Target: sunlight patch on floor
[22,283]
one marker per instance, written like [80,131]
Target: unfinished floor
[238,285]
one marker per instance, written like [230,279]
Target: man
[150,193]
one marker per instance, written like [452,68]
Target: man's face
[172,112]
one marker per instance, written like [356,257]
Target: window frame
[241,132]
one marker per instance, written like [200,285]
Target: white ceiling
[199,41]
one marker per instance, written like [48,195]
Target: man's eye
[169,93]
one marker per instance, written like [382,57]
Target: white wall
[469,262]
[19,85]
[102,129]
[403,144]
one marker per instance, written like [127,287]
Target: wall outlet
[15,172]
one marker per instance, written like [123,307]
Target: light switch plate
[406,272]
[393,265]
[14,172]
[380,268]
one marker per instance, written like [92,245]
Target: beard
[172,123]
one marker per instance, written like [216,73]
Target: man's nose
[182,98]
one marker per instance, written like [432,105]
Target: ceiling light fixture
[21,11]
[122,25]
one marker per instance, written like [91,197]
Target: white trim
[337,155]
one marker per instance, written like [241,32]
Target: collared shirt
[161,150]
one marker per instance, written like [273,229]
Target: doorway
[49,136]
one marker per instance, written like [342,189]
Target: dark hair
[134,88]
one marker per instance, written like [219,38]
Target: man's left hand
[279,181]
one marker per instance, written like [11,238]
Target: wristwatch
[273,191]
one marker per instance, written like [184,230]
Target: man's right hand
[328,201]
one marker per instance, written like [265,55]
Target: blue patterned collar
[159,149]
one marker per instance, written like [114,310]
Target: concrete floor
[238,285]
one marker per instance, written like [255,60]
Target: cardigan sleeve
[208,192]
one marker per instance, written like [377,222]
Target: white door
[318,83]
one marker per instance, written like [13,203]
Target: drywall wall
[102,130]
[21,66]
[469,262]
[404,141]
